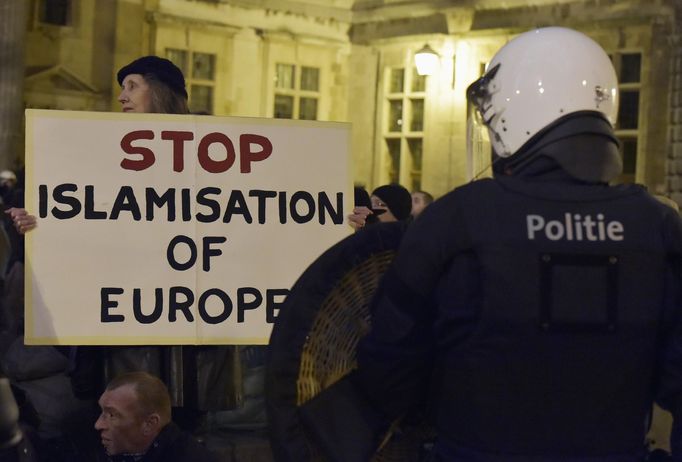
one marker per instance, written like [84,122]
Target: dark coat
[172,445]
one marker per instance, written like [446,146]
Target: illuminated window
[393,146]
[404,126]
[310,78]
[201,99]
[307,108]
[395,115]
[203,66]
[297,92]
[284,107]
[397,80]
[285,76]
[199,71]
[179,58]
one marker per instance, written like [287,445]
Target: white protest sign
[173,229]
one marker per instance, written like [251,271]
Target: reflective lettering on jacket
[575,227]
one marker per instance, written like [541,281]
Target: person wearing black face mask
[388,203]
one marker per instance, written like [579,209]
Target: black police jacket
[541,314]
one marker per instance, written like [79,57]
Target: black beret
[163,69]
[397,199]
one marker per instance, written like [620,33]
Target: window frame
[191,82]
[409,168]
[630,134]
[296,93]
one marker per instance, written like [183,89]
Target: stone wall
[674,164]
[12,23]
[354,42]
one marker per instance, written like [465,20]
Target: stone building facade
[353,60]
[674,145]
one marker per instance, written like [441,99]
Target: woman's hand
[23,222]
[358,219]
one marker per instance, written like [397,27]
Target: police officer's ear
[151,424]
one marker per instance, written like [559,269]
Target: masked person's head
[391,202]
[152,84]
[544,79]
[8,180]
[134,409]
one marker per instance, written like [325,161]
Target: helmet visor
[480,96]
[479,149]
[479,114]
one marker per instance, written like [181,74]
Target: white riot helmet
[539,77]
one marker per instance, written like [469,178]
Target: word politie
[575,227]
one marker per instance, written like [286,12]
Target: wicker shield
[313,342]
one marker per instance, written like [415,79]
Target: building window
[297,92]
[307,108]
[202,83]
[629,152]
[418,83]
[395,115]
[201,99]
[285,76]
[628,68]
[397,80]
[203,66]
[393,146]
[415,148]
[199,71]
[284,107]
[179,58]
[404,127]
[417,115]
[628,110]
[56,12]
[310,78]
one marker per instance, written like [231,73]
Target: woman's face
[136,94]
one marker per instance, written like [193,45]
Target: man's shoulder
[188,446]
[175,445]
[474,192]
[475,188]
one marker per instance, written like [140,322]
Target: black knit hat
[397,199]
[163,69]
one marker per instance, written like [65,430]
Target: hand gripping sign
[175,229]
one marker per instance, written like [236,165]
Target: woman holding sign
[148,85]
[199,379]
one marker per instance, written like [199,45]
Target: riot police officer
[540,309]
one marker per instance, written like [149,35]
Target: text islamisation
[206,205]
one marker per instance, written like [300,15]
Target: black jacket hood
[582,144]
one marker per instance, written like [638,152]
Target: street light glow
[426,60]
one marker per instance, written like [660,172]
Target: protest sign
[175,229]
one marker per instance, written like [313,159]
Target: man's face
[121,425]
[136,94]
[418,203]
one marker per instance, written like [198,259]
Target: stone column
[12,34]
[674,163]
